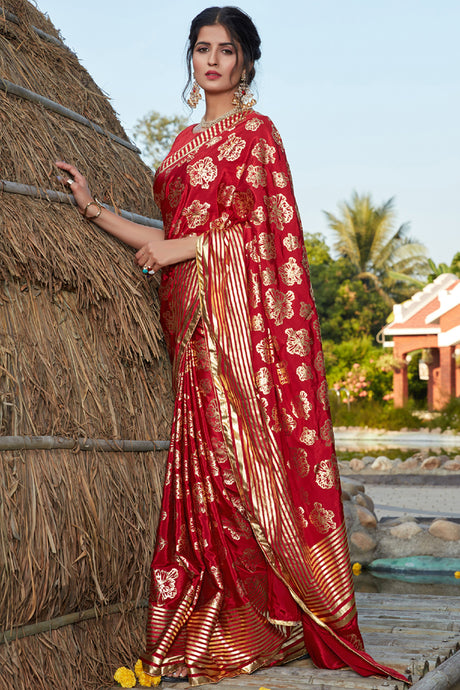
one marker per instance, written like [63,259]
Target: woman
[251,564]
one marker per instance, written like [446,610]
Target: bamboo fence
[84,376]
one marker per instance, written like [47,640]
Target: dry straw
[81,356]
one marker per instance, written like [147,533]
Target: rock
[357,465]
[431,463]
[345,496]
[382,464]
[363,542]
[452,465]
[351,486]
[364,500]
[444,529]
[366,518]
[405,530]
[411,463]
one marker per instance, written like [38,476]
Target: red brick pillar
[446,379]
[433,381]
[400,386]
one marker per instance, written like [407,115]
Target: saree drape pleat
[251,564]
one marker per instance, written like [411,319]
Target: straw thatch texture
[81,355]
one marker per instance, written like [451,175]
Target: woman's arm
[130,233]
[154,251]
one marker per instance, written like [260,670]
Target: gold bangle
[93,202]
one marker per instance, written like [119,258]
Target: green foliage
[449,417]
[357,369]
[374,414]
[381,254]
[156,134]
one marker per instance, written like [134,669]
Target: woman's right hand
[77,184]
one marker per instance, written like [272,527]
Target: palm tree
[382,254]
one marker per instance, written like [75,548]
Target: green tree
[381,253]
[156,133]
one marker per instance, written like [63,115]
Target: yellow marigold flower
[357,567]
[457,574]
[125,677]
[145,680]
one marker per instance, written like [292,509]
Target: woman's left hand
[160,253]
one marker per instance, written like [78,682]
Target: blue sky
[365,93]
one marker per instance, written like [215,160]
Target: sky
[365,94]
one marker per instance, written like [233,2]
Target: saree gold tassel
[195,95]
[243,97]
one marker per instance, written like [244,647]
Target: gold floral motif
[301,406]
[304,372]
[243,203]
[164,515]
[233,533]
[316,328]
[165,583]
[225,194]
[283,376]
[308,437]
[268,276]
[239,171]
[319,363]
[356,642]
[200,354]
[253,124]
[253,251]
[264,152]
[256,176]
[196,214]
[322,518]
[175,192]
[327,475]
[205,387]
[199,496]
[219,224]
[161,544]
[301,460]
[280,179]
[274,420]
[267,246]
[323,395]
[220,449]
[276,136]
[264,381]
[254,290]
[291,242]
[202,172]
[213,415]
[257,322]
[306,310]
[265,350]
[291,272]
[327,433]
[301,516]
[231,149]
[228,478]
[288,422]
[279,305]
[209,490]
[298,342]
[212,142]
[280,212]
[258,216]
[250,560]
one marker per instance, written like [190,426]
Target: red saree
[251,565]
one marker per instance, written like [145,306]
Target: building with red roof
[429,321]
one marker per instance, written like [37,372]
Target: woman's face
[215,58]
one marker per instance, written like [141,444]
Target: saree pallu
[251,565]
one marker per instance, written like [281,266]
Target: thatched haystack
[81,359]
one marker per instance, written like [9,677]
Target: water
[434,585]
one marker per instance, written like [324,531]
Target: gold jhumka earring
[243,97]
[194,96]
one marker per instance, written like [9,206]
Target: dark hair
[241,29]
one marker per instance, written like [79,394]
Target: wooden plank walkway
[407,632]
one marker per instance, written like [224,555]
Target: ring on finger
[70,181]
[146,268]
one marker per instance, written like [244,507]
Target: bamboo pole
[63,198]
[69,619]
[28,95]
[10,17]
[445,676]
[97,444]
